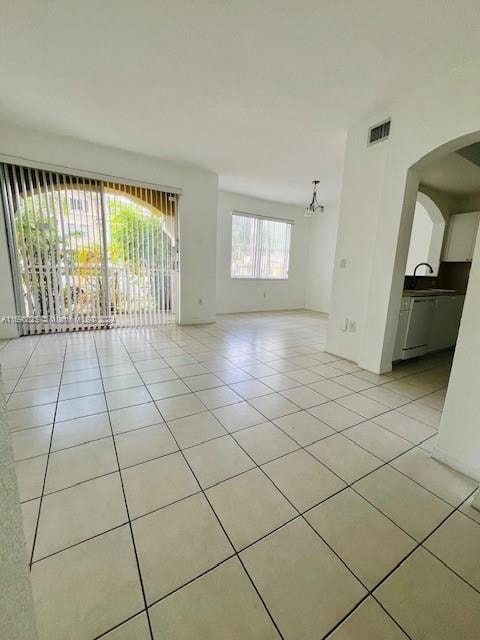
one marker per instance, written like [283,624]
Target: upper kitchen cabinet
[461,234]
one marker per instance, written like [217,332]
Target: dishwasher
[418,327]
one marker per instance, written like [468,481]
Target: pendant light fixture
[314,205]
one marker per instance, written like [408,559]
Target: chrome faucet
[422,264]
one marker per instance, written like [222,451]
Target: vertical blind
[87,253]
[260,247]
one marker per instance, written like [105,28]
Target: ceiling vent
[379,132]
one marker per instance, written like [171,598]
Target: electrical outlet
[352,326]
[200,301]
[345,325]
[343,263]
[264,294]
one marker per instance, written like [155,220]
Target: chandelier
[314,205]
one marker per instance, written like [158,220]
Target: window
[260,247]
[77,204]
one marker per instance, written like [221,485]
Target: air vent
[379,132]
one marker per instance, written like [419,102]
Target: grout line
[46,471]
[225,532]
[142,587]
[231,434]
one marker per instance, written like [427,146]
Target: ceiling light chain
[314,205]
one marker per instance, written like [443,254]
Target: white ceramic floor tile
[195,429]
[273,406]
[368,622]
[265,442]
[404,426]
[30,477]
[217,460]
[457,543]
[303,427]
[84,591]
[180,406]
[429,601]
[136,417]
[336,416]
[202,382]
[251,389]
[156,483]
[167,389]
[144,444]
[31,416]
[362,405]
[77,464]
[134,629]
[221,604]
[81,512]
[305,586]
[28,443]
[304,397]
[218,397]
[79,407]
[302,479]
[344,457]
[367,541]
[70,433]
[35,397]
[127,397]
[413,508]
[178,543]
[249,506]
[382,443]
[444,481]
[79,389]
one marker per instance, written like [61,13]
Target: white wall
[419,248]
[426,240]
[373,231]
[321,257]
[197,206]
[359,208]
[234,295]
[438,118]
[459,439]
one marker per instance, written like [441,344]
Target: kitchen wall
[197,207]
[260,295]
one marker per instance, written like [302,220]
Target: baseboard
[467,470]
[289,310]
[196,323]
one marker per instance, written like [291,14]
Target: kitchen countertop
[421,293]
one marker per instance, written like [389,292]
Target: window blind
[260,247]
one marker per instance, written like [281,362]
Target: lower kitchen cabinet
[445,322]
[427,323]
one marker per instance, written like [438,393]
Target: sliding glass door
[87,253]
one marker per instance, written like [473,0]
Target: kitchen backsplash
[451,275]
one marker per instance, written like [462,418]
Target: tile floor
[237,482]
